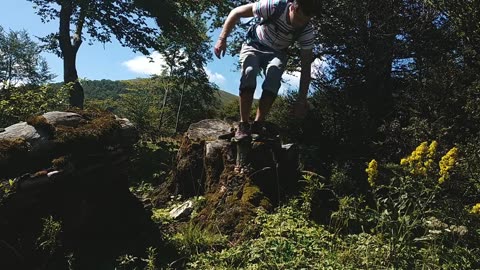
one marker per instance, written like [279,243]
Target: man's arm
[244,11]
[306,59]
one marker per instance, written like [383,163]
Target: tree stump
[205,167]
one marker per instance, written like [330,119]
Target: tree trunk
[162,111]
[379,62]
[69,52]
[180,104]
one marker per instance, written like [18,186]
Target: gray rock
[20,130]
[214,148]
[208,129]
[63,118]
[128,130]
[182,211]
[36,139]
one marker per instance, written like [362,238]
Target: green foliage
[414,216]
[103,89]
[141,107]
[49,238]
[100,21]
[230,110]
[18,103]
[192,239]
[287,241]
[130,262]
[153,104]
[126,20]
[6,187]
[151,164]
[20,61]
[410,220]
[225,97]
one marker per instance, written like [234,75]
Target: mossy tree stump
[205,167]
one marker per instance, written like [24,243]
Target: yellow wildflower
[446,164]
[432,149]
[420,160]
[428,164]
[372,172]
[475,209]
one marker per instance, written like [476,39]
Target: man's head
[301,12]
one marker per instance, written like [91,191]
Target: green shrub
[287,241]
[18,103]
[192,239]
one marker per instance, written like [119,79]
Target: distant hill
[225,97]
[103,89]
[108,89]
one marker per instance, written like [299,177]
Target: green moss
[231,199]
[266,204]
[12,148]
[98,127]
[40,123]
[60,162]
[251,194]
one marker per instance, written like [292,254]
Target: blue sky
[112,61]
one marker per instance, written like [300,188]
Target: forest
[389,151]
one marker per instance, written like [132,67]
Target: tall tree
[101,20]
[20,60]
[187,59]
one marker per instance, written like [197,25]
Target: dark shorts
[255,57]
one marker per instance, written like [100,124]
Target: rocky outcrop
[205,166]
[70,169]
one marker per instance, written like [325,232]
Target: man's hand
[220,47]
[243,11]
[300,109]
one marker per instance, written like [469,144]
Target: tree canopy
[20,60]
[126,21]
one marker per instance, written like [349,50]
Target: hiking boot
[243,131]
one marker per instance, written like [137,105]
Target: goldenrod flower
[446,164]
[372,172]
[475,209]
[432,149]
[428,164]
[420,160]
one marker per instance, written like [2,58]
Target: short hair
[308,7]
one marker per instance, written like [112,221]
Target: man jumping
[282,23]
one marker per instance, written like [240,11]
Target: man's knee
[249,78]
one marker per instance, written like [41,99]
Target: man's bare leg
[266,102]
[246,100]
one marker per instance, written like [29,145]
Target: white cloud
[292,79]
[215,77]
[146,66]
[157,65]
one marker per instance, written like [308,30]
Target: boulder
[75,182]
[31,145]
